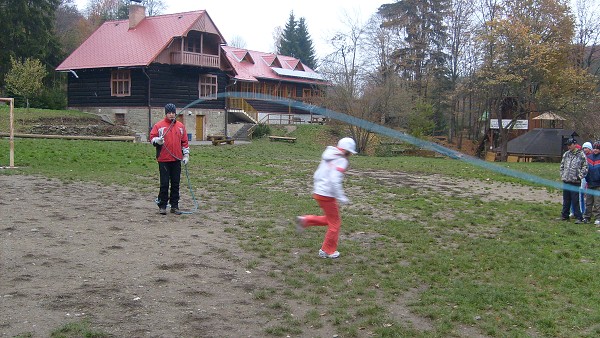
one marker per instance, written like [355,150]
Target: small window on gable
[248,58]
[208,86]
[120,83]
[276,63]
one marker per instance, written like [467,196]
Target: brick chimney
[137,13]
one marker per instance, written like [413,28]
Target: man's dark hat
[570,141]
[170,108]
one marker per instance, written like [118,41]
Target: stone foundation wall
[136,118]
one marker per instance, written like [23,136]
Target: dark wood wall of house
[92,89]
[175,84]
[179,85]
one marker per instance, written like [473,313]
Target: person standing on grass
[328,192]
[592,202]
[586,147]
[573,168]
[170,139]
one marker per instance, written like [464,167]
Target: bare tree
[99,11]
[382,81]
[587,34]
[460,27]
[238,42]
[347,69]
[68,26]
[277,36]
[154,7]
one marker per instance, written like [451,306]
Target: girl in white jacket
[328,192]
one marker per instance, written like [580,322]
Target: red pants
[331,219]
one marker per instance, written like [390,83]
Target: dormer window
[276,63]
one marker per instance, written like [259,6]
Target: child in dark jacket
[592,202]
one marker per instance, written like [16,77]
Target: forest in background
[428,67]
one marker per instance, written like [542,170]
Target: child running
[328,192]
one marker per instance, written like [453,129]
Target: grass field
[502,268]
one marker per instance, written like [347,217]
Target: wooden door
[199,127]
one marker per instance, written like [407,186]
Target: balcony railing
[195,59]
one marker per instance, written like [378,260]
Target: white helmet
[348,144]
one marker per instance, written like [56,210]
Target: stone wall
[136,118]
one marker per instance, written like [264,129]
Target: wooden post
[12,134]
[11,137]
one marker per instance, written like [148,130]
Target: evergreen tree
[289,45]
[421,23]
[305,45]
[296,41]
[26,29]
[422,59]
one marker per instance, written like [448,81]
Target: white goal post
[11,102]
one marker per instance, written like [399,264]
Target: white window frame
[207,86]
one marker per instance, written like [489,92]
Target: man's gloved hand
[186,159]
[158,140]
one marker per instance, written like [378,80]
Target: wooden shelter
[548,120]
[542,144]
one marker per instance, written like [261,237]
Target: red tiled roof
[261,67]
[113,44]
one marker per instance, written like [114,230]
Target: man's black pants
[571,197]
[170,173]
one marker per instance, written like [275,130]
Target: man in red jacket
[170,139]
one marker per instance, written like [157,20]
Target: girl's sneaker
[300,224]
[324,254]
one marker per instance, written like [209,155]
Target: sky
[255,21]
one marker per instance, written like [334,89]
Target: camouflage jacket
[573,167]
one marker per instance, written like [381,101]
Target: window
[208,86]
[289,92]
[120,119]
[120,84]
[193,44]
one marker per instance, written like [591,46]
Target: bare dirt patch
[485,190]
[82,250]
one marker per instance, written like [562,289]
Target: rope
[187,175]
[382,130]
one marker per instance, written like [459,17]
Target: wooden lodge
[127,70]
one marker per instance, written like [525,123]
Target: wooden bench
[215,137]
[319,120]
[393,148]
[217,141]
[282,138]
